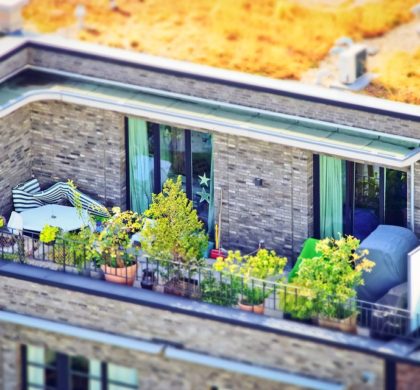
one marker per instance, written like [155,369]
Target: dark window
[371,195]
[171,152]
[45,369]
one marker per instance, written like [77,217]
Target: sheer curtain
[140,165]
[331,196]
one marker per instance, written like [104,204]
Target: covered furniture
[388,247]
[29,195]
[65,217]
[308,252]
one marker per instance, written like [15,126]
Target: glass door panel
[172,154]
[202,176]
[395,197]
[367,203]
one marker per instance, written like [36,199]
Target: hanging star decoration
[204,180]
[204,195]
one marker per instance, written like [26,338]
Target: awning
[190,112]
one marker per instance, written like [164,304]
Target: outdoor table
[65,217]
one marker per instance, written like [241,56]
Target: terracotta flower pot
[257,309]
[348,325]
[125,275]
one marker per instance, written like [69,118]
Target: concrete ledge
[207,311]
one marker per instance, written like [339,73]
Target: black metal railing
[201,282]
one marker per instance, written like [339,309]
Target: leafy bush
[114,239]
[176,234]
[325,285]
[219,291]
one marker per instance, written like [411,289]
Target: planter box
[348,325]
[183,287]
[126,275]
[257,309]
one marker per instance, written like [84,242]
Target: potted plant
[175,237]
[252,272]
[49,234]
[118,264]
[327,283]
[219,291]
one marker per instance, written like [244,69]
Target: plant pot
[348,325]
[183,287]
[257,309]
[148,280]
[125,275]
[215,253]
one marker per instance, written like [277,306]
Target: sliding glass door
[159,152]
[354,198]
[368,205]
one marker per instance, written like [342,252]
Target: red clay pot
[257,309]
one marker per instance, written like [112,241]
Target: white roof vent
[11,15]
[352,64]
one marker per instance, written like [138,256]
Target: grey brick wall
[219,92]
[15,155]
[13,63]
[198,334]
[280,212]
[80,143]
[154,372]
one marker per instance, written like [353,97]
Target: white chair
[15,224]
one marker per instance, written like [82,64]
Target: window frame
[65,372]
[349,197]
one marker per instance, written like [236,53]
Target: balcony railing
[207,285]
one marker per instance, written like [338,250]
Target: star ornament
[204,195]
[204,180]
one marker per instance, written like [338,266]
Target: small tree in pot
[175,235]
[250,272]
[118,264]
[327,284]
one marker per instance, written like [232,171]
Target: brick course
[198,334]
[15,155]
[280,212]
[224,93]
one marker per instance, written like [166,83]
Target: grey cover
[388,247]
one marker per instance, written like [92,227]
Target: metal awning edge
[201,123]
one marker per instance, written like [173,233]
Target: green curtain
[210,224]
[141,165]
[331,196]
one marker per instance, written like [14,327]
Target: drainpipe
[412,197]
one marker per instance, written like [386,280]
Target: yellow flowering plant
[114,240]
[263,265]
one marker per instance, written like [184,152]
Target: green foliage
[114,240]
[219,291]
[263,265]
[49,234]
[175,233]
[325,285]
[76,249]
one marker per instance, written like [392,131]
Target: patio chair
[29,195]
[23,196]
